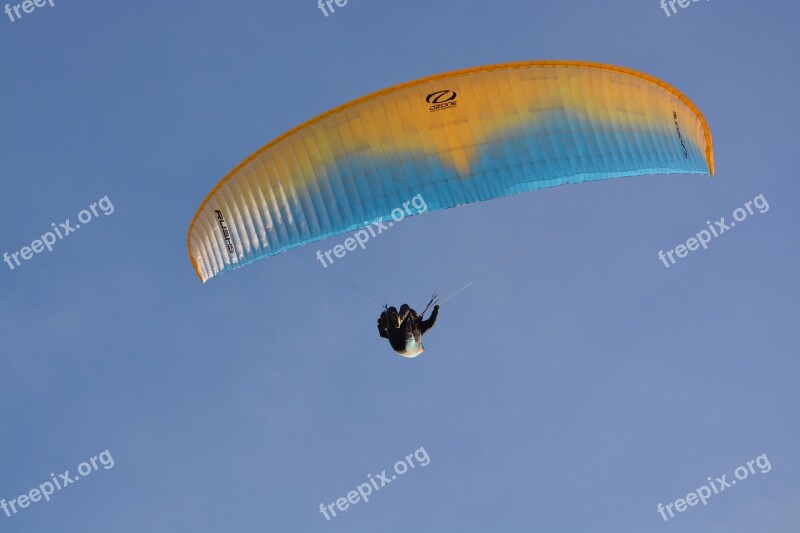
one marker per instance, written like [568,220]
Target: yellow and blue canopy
[454,138]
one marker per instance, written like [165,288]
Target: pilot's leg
[404,310]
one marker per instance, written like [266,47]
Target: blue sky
[572,388]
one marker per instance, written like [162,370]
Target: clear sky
[574,387]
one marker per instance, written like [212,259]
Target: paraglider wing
[454,139]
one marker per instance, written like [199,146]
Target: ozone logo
[442,99]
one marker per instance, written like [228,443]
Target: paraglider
[455,138]
[404,329]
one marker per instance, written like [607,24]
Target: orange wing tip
[196,268]
[710,159]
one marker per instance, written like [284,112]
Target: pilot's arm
[425,325]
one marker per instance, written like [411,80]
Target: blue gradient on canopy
[528,159]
